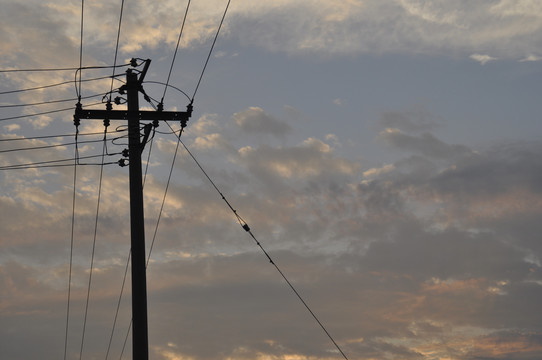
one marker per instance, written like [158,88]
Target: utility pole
[140,342]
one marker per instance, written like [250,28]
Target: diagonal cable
[118,305]
[71,255]
[247,229]
[164,197]
[116,47]
[93,247]
[210,51]
[176,49]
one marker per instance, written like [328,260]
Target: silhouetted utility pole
[140,347]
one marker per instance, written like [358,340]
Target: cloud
[531,58]
[425,144]
[338,102]
[482,59]
[311,159]
[12,127]
[416,119]
[254,120]
[324,27]
[406,26]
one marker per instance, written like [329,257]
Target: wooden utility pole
[140,342]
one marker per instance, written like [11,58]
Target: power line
[43,113]
[175,53]
[167,85]
[118,307]
[48,102]
[165,194]
[36,114]
[61,165]
[104,147]
[49,162]
[71,253]
[57,136]
[52,146]
[81,49]
[117,46]
[54,85]
[245,226]
[210,51]
[94,67]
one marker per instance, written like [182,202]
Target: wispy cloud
[482,59]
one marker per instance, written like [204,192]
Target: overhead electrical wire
[181,131]
[129,253]
[51,146]
[42,113]
[81,48]
[164,197]
[118,306]
[126,339]
[175,52]
[93,67]
[54,85]
[245,226]
[167,85]
[59,165]
[56,136]
[104,150]
[75,162]
[117,45]
[50,101]
[50,162]
[36,114]
[72,236]
[210,51]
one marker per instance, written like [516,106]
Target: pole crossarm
[141,115]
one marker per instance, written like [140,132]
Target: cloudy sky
[386,154]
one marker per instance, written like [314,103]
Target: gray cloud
[412,120]
[426,144]
[254,120]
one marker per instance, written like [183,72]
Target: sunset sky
[386,153]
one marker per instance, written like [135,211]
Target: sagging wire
[245,227]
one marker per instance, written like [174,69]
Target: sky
[385,153]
